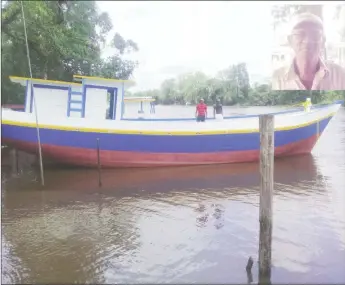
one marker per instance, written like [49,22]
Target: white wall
[50,102]
[96,103]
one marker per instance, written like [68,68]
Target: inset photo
[309,47]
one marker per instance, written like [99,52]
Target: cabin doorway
[111,103]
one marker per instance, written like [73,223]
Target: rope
[33,97]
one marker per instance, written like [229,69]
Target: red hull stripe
[88,157]
[160,144]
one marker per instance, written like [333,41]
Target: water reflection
[174,225]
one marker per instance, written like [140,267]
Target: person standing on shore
[201,111]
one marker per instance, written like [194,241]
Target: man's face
[307,40]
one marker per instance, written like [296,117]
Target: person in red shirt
[201,111]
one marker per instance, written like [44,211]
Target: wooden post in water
[266,123]
[17,162]
[99,165]
[14,161]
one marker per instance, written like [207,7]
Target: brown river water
[178,225]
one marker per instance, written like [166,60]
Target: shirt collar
[291,74]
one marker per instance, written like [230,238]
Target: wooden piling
[99,165]
[17,162]
[14,161]
[266,123]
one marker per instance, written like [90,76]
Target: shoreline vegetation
[232,87]
[67,38]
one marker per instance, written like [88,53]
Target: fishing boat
[79,122]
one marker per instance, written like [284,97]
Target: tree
[168,90]
[64,38]
[114,66]
[232,86]
[191,87]
[235,83]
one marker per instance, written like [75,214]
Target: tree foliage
[64,38]
[232,86]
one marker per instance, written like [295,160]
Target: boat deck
[238,123]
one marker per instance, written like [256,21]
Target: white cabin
[94,98]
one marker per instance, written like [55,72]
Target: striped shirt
[330,76]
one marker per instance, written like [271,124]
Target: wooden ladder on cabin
[74,101]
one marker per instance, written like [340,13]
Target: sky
[176,37]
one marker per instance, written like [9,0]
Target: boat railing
[212,118]
[294,110]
